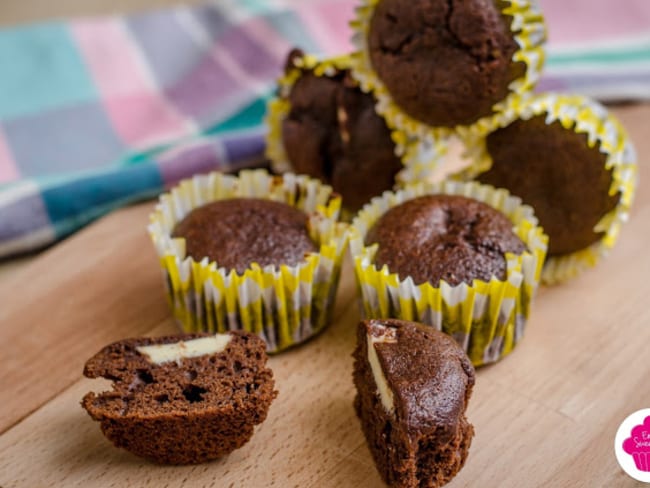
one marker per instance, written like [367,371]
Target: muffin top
[444,237]
[444,62]
[428,375]
[239,231]
[333,133]
[554,170]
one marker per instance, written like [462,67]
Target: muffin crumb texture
[183,410]
[424,439]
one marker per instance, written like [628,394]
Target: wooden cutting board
[545,416]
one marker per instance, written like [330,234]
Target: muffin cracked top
[444,237]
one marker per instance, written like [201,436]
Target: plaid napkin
[600,48]
[99,113]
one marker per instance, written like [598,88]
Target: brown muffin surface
[181,412]
[555,171]
[444,237]
[239,231]
[333,133]
[444,62]
[423,440]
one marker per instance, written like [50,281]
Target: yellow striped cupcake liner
[582,115]
[419,156]
[528,29]
[487,318]
[285,305]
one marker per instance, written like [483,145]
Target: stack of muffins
[263,254]
[367,130]
[422,71]
[433,69]
[380,118]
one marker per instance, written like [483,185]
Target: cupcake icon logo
[638,445]
[632,445]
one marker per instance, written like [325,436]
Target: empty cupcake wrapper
[420,156]
[585,116]
[285,305]
[487,318]
[529,32]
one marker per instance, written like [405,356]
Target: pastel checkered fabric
[99,113]
[598,48]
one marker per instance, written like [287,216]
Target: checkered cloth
[599,48]
[99,113]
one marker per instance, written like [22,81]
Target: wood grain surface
[19,11]
[544,416]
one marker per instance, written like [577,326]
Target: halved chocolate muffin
[182,399]
[413,386]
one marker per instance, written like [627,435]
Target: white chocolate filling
[342,118]
[385,393]
[164,353]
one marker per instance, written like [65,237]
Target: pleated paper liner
[487,318]
[285,305]
[529,32]
[582,115]
[420,156]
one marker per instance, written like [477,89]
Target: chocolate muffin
[444,237]
[413,385]
[333,133]
[207,229]
[182,399]
[444,62]
[239,231]
[554,170]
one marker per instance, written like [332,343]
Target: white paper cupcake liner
[486,318]
[284,305]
